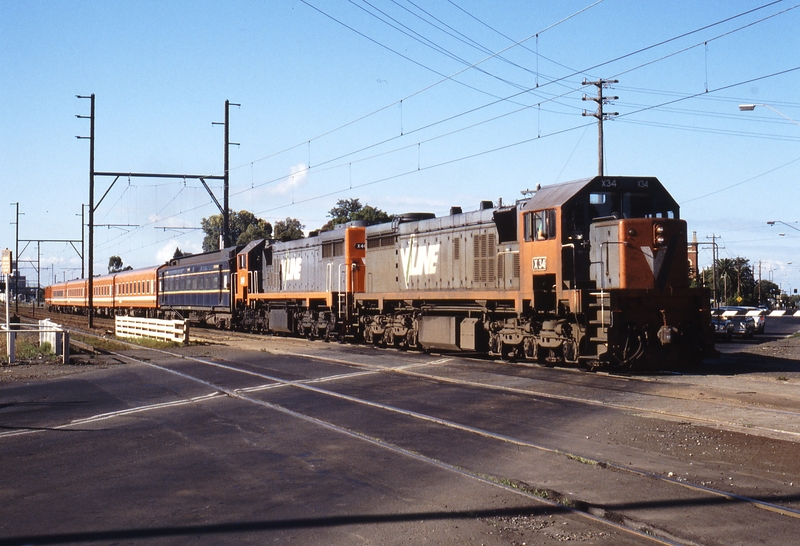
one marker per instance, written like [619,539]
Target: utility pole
[91,206]
[226,226]
[715,256]
[759,282]
[600,115]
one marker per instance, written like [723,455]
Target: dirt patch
[34,362]
[37,369]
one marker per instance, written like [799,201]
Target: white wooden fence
[166,330]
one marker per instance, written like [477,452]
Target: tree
[767,291]
[180,254]
[735,280]
[347,210]
[245,227]
[114,264]
[289,229]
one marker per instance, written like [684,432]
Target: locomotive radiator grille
[485,258]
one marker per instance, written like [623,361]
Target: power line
[515,44]
[643,109]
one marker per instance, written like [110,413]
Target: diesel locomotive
[592,272]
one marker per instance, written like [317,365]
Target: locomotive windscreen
[627,204]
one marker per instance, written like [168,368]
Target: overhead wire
[517,94]
[452,77]
[525,107]
[445,78]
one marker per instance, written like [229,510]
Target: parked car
[759,315]
[743,325]
[723,327]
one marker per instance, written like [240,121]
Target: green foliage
[347,210]
[180,254]
[288,230]
[735,278]
[245,227]
[259,230]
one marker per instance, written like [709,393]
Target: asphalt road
[319,443]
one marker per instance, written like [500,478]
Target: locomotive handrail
[574,270]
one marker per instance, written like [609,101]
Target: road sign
[6,262]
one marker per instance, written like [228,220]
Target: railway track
[420,367]
[778,419]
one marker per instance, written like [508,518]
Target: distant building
[18,288]
[694,270]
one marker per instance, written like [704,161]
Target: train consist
[591,272]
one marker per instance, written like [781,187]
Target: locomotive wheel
[511,352]
[495,344]
[570,351]
[530,349]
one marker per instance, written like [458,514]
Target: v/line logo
[291,268]
[419,259]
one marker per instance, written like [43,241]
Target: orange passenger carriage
[132,292]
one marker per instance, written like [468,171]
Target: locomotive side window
[540,225]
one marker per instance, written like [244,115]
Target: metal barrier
[165,330]
[782,313]
[48,331]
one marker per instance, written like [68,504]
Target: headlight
[658,234]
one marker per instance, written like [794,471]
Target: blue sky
[406,105]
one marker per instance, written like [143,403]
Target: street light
[773,222]
[751,107]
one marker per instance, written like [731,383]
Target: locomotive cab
[609,273]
